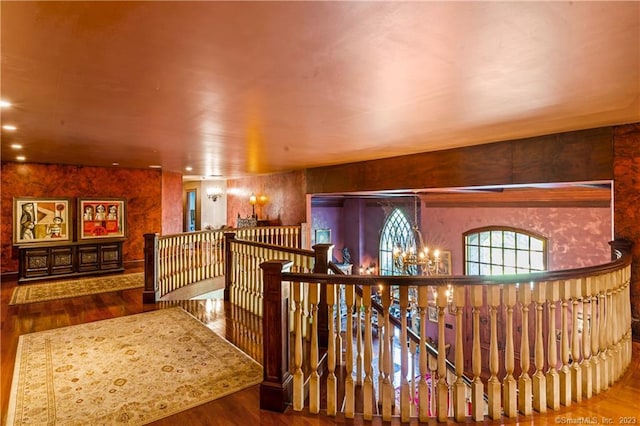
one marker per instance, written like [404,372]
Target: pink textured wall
[577,236]
[286,199]
[329,218]
[172,205]
[627,204]
[142,189]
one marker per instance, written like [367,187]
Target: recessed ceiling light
[155,166]
[4,104]
[16,146]
[115,163]
[188,168]
[9,127]
[21,158]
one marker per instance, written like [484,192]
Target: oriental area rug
[128,370]
[31,293]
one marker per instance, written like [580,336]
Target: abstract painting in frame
[37,220]
[101,218]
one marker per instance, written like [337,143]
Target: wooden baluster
[539,380]
[387,391]
[423,386]
[405,404]
[604,358]
[413,348]
[553,378]
[189,278]
[442,388]
[240,274]
[525,391]
[460,406]
[367,389]
[349,406]
[182,262]
[298,376]
[314,377]
[241,267]
[332,390]
[433,374]
[201,260]
[493,385]
[339,346]
[627,315]
[565,371]
[305,310]
[611,327]
[620,312]
[615,335]
[509,384]
[245,286]
[622,320]
[576,370]
[477,388]
[595,336]
[587,318]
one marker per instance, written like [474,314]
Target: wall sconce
[256,199]
[214,193]
[253,200]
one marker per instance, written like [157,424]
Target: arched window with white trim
[397,231]
[504,251]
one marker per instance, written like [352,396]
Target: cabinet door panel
[36,263]
[61,260]
[111,256]
[88,258]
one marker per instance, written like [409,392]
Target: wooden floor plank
[242,408]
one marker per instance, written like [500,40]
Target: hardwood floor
[616,404]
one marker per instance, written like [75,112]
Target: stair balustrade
[532,365]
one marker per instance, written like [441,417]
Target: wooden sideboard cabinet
[45,261]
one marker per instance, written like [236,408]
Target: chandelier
[412,257]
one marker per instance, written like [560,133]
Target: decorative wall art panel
[37,220]
[101,218]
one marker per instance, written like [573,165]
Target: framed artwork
[323,236]
[432,313]
[444,267]
[37,220]
[101,218]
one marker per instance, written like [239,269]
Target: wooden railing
[573,341]
[243,283]
[175,261]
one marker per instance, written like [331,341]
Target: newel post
[620,244]
[275,389]
[228,263]
[323,254]
[150,268]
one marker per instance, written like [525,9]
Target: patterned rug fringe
[31,293]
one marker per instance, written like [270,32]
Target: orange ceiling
[242,88]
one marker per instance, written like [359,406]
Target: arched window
[396,231]
[504,251]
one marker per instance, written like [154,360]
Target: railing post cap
[323,246]
[276,265]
